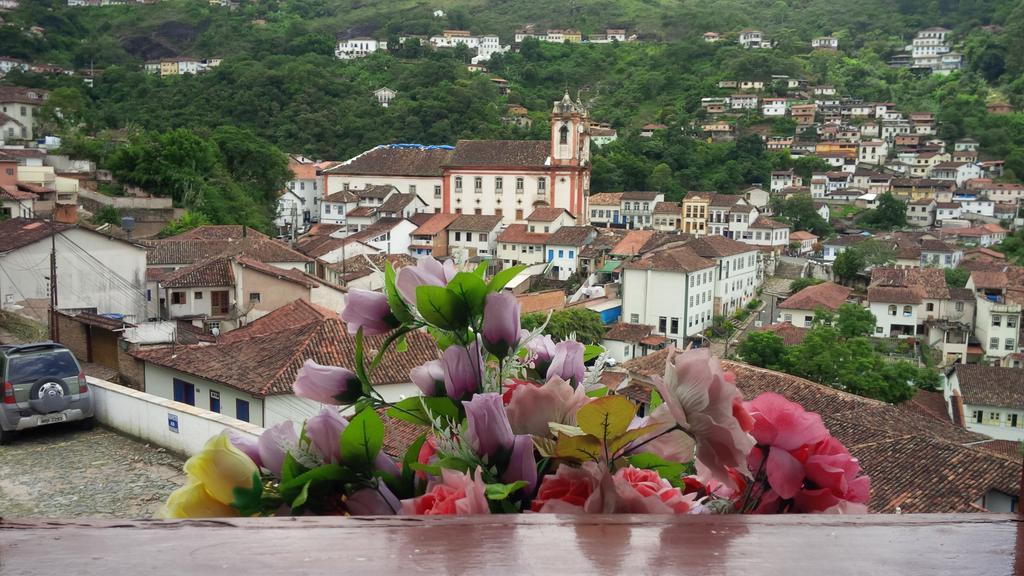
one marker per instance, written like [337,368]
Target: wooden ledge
[525,544]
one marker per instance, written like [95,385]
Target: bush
[742,314]
[107,215]
[753,304]
[801,283]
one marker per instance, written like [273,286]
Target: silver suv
[42,384]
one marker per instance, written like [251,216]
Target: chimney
[65,213]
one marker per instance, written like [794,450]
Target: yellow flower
[220,468]
[193,501]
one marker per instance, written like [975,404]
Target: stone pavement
[61,472]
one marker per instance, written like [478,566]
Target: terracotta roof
[290,275]
[991,386]
[531,153]
[641,196]
[20,232]
[266,364]
[365,264]
[917,462]
[362,212]
[475,223]
[791,335]
[802,235]
[681,259]
[541,301]
[208,273]
[97,320]
[828,295]
[606,199]
[623,332]
[519,234]
[22,95]
[632,242]
[437,223]
[375,191]
[673,208]
[724,200]
[12,193]
[298,313]
[1005,448]
[989,279]
[930,403]
[571,236]
[176,251]
[392,161]
[396,203]
[547,214]
[219,232]
[894,295]
[929,283]
[715,246]
[342,197]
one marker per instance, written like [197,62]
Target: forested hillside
[280,83]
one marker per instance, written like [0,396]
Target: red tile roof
[715,246]
[475,223]
[20,232]
[791,335]
[520,234]
[289,275]
[623,332]
[763,222]
[176,251]
[219,232]
[681,259]
[606,199]
[528,153]
[991,386]
[547,214]
[673,208]
[545,301]
[298,313]
[632,242]
[571,236]
[215,272]
[828,295]
[388,161]
[437,223]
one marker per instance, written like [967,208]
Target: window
[634,318]
[478,184]
[997,320]
[1011,321]
[469,236]
[1010,344]
[177,297]
[994,417]
[662,324]
[808,320]
[254,296]
[184,392]
[149,295]
[977,416]
[327,209]
[437,191]
[197,295]
[675,325]
[930,307]
[551,255]
[499,183]
[458,183]
[458,236]
[878,329]
[214,401]
[787,317]
[907,311]
[412,188]
[572,254]
[242,409]
[519,214]
[542,184]
[959,306]
[561,253]
[563,134]
[892,310]
[219,302]
[993,344]
[519,185]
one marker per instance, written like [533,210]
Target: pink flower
[501,324]
[569,490]
[429,378]
[703,399]
[455,494]
[779,422]
[531,407]
[274,444]
[426,455]
[675,446]
[463,370]
[488,431]
[567,363]
[373,502]
[832,476]
[522,464]
[247,444]
[540,350]
[324,433]
[426,272]
[369,311]
[327,384]
[640,491]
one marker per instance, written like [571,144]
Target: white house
[358,47]
[736,278]
[517,245]
[800,308]
[836,246]
[384,96]
[749,38]
[563,249]
[657,290]
[825,43]
[991,400]
[998,309]
[335,207]
[774,107]
[782,179]
[95,272]
[473,235]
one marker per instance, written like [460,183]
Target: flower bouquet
[515,422]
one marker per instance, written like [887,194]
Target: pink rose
[704,399]
[641,491]
[569,490]
[531,407]
[455,493]
[779,422]
[675,446]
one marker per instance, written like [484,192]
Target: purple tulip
[429,378]
[274,444]
[489,433]
[541,350]
[324,433]
[567,362]
[369,311]
[501,323]
[522,464]
[327,384]
[384,463]
[426,272]
[463,369]
[246,444]
[373,502]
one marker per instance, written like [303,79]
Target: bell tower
[570,133]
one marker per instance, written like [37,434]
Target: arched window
[892,310]
[907,310]
[563,134]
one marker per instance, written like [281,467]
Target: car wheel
[87,424]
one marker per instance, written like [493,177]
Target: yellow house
[695,213]
[169,68]
[573,36]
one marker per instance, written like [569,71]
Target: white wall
[424,186]
[145,416]
[651,295]
[160,382]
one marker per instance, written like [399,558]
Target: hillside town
[875,278]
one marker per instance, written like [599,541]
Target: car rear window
[59,364]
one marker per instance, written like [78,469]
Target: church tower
[570,133]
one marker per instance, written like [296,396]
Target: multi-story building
[671,289]
[988,400]
[637,208]
[999,297]
[358,47]
[22,106]
[736,277]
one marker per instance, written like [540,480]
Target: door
[184,392]
[219,302]
[242,409]
[214,401]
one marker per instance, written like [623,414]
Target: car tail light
[82,388]
[8,393]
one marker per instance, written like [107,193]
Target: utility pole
[54,330]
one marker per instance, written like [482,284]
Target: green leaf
[654,402]
[470,290]
[411,458]
[559,428]
[398,306]
[503,491]
[362,439]
[415,409]
[481,269]
[443,338]
[247,500]
[619,442]
[291,468]
[453,463]
[592,351]
[582,448]
[322,474]
[671,471]
[441,308]
[504,277]
[606,418]
[301,498]
[598,392]
[401,345]
[361,362]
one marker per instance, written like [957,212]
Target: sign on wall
[172,422]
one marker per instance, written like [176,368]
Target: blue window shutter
[551,255]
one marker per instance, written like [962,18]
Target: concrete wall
[146,417]
[128,202]
[160,383]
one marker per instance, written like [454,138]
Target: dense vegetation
[838,353]
[280,82]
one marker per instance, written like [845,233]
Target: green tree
[585,324]
[764,349]
[848,264]
[186,222]
[107,215]
[801,283]
[890,213]
[800,213]
[957,277]
[852,320]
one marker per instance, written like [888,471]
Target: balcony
[523,544]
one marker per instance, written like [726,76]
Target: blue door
[184,392]
[214,401]
[242,410]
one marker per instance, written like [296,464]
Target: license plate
[53,419]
